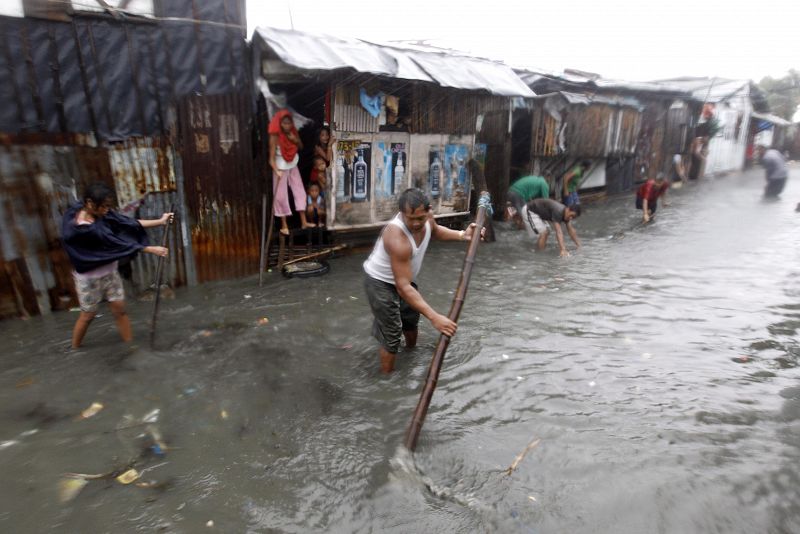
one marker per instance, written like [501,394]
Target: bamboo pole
[263,239]
[412,434]
[159,273]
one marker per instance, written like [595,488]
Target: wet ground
[658,367]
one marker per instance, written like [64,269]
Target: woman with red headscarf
[284,142]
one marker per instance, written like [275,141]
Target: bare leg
[122,319]
[387,361]
[304,222]
[542,240]
[81,326]
[284,226]
[411,338]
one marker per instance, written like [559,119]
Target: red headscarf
[288,149]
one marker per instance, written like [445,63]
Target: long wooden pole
[315,254]
[412,434]
[159,272]
[263,239]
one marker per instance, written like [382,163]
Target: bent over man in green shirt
[524,190]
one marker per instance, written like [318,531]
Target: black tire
[305,269]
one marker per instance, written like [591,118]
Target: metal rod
[414,429]
[159,272]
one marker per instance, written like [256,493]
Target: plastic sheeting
[317,52]
[117,79]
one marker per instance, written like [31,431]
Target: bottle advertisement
[434,171]
[361,172]
[399,164]
[353,172]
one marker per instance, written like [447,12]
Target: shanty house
[402,117]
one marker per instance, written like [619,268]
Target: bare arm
[447,234]
[161,221]
[560,239]
[573,234]
[399,250]
[158,251]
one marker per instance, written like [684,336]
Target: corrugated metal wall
[123,80]
[39,176]
[223,187]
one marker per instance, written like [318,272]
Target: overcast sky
[633,40]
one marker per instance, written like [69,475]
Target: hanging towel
[372,104]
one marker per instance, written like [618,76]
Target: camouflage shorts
[93,291]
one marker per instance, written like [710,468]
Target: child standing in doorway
[284,143]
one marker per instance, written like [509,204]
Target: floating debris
[263,321]
[521,455]
[151,416]
[91,411]
[69,488]
[223,414]
[131,475]
[25,382]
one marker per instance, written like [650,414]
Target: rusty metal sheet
[40,174]
[223,190]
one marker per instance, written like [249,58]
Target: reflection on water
[658,366]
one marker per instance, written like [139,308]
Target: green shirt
[531,187]
[576,179]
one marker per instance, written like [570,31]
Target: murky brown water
[658,367]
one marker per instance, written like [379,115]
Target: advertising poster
[455,190]
[353,193]
[384,187]
[435,173]
[399,164]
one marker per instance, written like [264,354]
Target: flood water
[658,367]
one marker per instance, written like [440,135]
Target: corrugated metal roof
[319,52]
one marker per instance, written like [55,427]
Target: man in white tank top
[391,271]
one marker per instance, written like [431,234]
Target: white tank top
[379,265]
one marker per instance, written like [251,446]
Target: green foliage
[783,94]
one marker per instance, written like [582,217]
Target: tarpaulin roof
[586,100]
[534,78]
[769,117]
[321,52]
[709,89]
